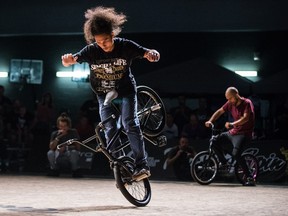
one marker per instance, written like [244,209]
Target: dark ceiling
[223,31]
[66,16]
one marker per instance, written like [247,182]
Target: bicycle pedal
[161,141]
[140,177]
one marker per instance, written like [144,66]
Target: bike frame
[102,145]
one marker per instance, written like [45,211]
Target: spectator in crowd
[44,115]
[16,106]
[66,156]
[181,113]
[90,109]
[193,129]
[42,127]
[203,112]
[281,126]
[84,128]
[20,132]
[180,158]
[5,101]
[258,129]
[3,147]
[170,130]
[5,117]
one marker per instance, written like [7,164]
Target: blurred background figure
[66,156]
[170,130]
[180,158]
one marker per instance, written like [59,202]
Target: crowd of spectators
[21,127]
[26,133]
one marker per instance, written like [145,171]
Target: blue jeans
[59,160]
[235,145]
[129,120]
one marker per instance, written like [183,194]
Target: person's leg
[239,142]
[131,125]
[221,144]
[106,111]
[52,158]
[74,159]
[74,156]
[51,155]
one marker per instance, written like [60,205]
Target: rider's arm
[215,116]
[242,120]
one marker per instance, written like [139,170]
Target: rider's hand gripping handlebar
[211,124]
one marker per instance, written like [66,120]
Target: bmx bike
[206,165]
[152,115]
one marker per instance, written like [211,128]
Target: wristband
[231,125]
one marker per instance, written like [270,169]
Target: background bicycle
[206,165]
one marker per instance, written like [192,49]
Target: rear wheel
[137,193]
[204,168]
[152,125]
[252,164]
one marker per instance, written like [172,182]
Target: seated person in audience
[170,130]
[180,158]
[66,156]
[181,113]
[194,130]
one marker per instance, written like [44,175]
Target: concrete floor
[40,195]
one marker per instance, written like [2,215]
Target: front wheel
[252,164]
[204,168]
[153,124]
[137,193]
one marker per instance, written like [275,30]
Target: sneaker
[250,182]
[140,174]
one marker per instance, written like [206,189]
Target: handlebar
[67,143]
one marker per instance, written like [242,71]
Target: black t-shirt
[72,133]
[112,70]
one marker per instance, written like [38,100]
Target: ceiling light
[3,74]
[247,73]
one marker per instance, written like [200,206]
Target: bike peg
[161,141]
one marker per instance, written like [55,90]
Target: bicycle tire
[137,193]
[252,164]
[154,124]
[204,168]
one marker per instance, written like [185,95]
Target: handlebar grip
[212,125]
